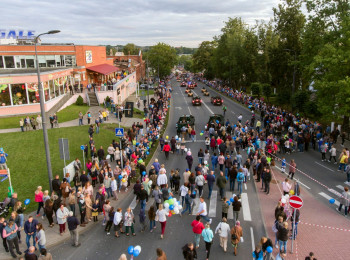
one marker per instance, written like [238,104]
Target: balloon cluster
[202,132]
[134,251]
[172,206]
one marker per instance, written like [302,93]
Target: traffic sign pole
[293,237]
[296,203]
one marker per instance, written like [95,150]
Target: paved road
[321,179]
[96,244]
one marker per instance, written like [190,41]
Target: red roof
[104,69]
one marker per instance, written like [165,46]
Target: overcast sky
[143,22]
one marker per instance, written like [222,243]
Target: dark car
[216,101]
[183,84]
[196,101]
[216,119]
[185,120]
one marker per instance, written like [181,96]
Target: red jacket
[212,142]
[166,148]
[197,227]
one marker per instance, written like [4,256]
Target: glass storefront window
[18,62]
[50,61]
[1,62]
[30,61]
[9,62]
[23,61]
[46,91]
[42,61]
[52,89]
[5,99]
[33,93]
[19,94]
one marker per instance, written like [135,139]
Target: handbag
[242,240]
[219,230]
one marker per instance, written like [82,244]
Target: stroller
[4,207]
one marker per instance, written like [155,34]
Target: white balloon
[179,207]
[283,200]
[286,196]
[185,150]
[166,205]
[174,199]
[177,211]
[138,248]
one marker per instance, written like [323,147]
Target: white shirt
[117,218]
[225,229]
[114,185]
[202,207]
[161,215]
[286,186]
[62,215]
[183,190]
[162,179]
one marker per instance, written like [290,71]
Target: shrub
[80,101]
[255,87]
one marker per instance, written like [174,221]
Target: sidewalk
[321,230]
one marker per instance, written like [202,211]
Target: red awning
[104,69]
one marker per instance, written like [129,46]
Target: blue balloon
[143,173]
[137,144]
[235,125]
[136,252]
[194,192]
[170,198]
[130,250]
[217,121]
[120,177]
[171,207]
[26,202]
[147,153]
[231,199]
[229,203]
[332,201]
[269,249]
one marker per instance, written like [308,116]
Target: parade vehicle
[191,86]
[216,101]
[196,101]
[187,90]
[206,93]
[185,120]
[190,93]
[216,119]
[204,89]
[183,84]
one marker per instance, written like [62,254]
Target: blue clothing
[9,230]
[156,166]
[207,235]
[258,255]
[3,158]
[30,227]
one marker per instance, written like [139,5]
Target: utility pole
[147,83]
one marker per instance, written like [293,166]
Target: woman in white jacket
[118,222]
[200,183]
[62,214]
[224,231]
[114,188]
[161,217]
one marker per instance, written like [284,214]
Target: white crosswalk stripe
[245,207]
[326,196]
[228,195]
[195,208]
[149,203]
[212,204]
[133,203]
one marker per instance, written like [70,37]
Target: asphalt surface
[97,245]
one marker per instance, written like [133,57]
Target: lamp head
[53,31]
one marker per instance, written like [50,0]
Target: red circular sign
[295,202]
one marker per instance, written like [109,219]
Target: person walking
[152,217]
[236,207]
[30,230]
[160,254]
[188,203]
[292,168]
[197,228]
[62,214]
[40,236]
[73,223]
[200,183]
[118,222]
[210,181]
[189,160]
[81,117]
[166,150]
[129,220]
[161,217]
[240,179]
[221,183]
[223,229]
[344,201]
[39,199]
[236,235]
[189,251]
[202,210]
[208,236]
[10,233]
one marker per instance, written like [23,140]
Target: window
[18,62]
[58,60]
[30,61]
[52,89]
[62,61]
[46,91]
[5,99]
[50,60]
[19,94]
[1,62]
[9,62]
[42,61]
[23,61]
[33,93]
[70,61]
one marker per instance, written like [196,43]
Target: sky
[142,22]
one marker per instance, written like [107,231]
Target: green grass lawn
[71,112]
[11,122]
[138,113]
[144,92]
[27,156]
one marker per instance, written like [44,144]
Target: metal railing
[87,97]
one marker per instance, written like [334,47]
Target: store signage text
[13,34]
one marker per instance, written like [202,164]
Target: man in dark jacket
[221,183]
[73,223]
[101,154]
[232,174]
[30,230]
[83,179]
[189,251]
[143,197]
[210,181]
[3,223]
[56,185]
[267,180]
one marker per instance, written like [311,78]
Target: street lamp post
[42,109]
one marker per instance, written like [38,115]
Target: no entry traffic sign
[295,202]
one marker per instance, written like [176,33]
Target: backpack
[234,236]
[240,176]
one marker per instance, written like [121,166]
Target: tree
[267,91]
[162,58]
[131,49]
[202,58]
[185,61]
[255,88]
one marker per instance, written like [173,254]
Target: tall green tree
[202,59]
[131,49]
[185,61]
[162,58]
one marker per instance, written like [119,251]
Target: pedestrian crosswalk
[333,194]
[212,204]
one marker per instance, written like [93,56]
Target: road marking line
[335,192]
[245,187]
[186,102]
[328,198]
[195,208]
[149,203]
[204,104]
[245,205]
[133,203]
[285,173]
[324,166]
[228,196]
[234,113]
[252,236]
[340,187]
[212,204]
